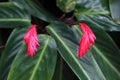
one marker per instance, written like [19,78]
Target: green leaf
[99,60]
[12,15]
[58,74]
[12,47]
[40,67]
[62,71]
[92,6]
[66,5]
[114,9]
[95,12]
[105,54]
[36,9]
[100,21]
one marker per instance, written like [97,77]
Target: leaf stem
[2,46]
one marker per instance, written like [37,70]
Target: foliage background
[103,18]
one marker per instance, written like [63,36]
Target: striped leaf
[12,47]
[34,8]
[12,15]
[95,12]
[40,67]
[98,64]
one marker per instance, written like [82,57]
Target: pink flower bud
[31,39]
[88,38]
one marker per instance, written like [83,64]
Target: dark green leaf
[35,8]
[96,65]
[12,47]
[66,5]
[12,15]
[100,21]
[58,75]
[105,55]
[40,67]
[96,12]
[92,6]
[114,9]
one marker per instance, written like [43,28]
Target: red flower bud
[88,38]
[31,39]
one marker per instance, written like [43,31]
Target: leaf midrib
[93,13]
[103,76]
[17,19]
[99,52]
[52,30]
[40,59]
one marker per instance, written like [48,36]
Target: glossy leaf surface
[12,15]
[40,67]
[96,61]
[114,9]
[102,54]
[12,47]
[34,8]
[95,6]
[96,12]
